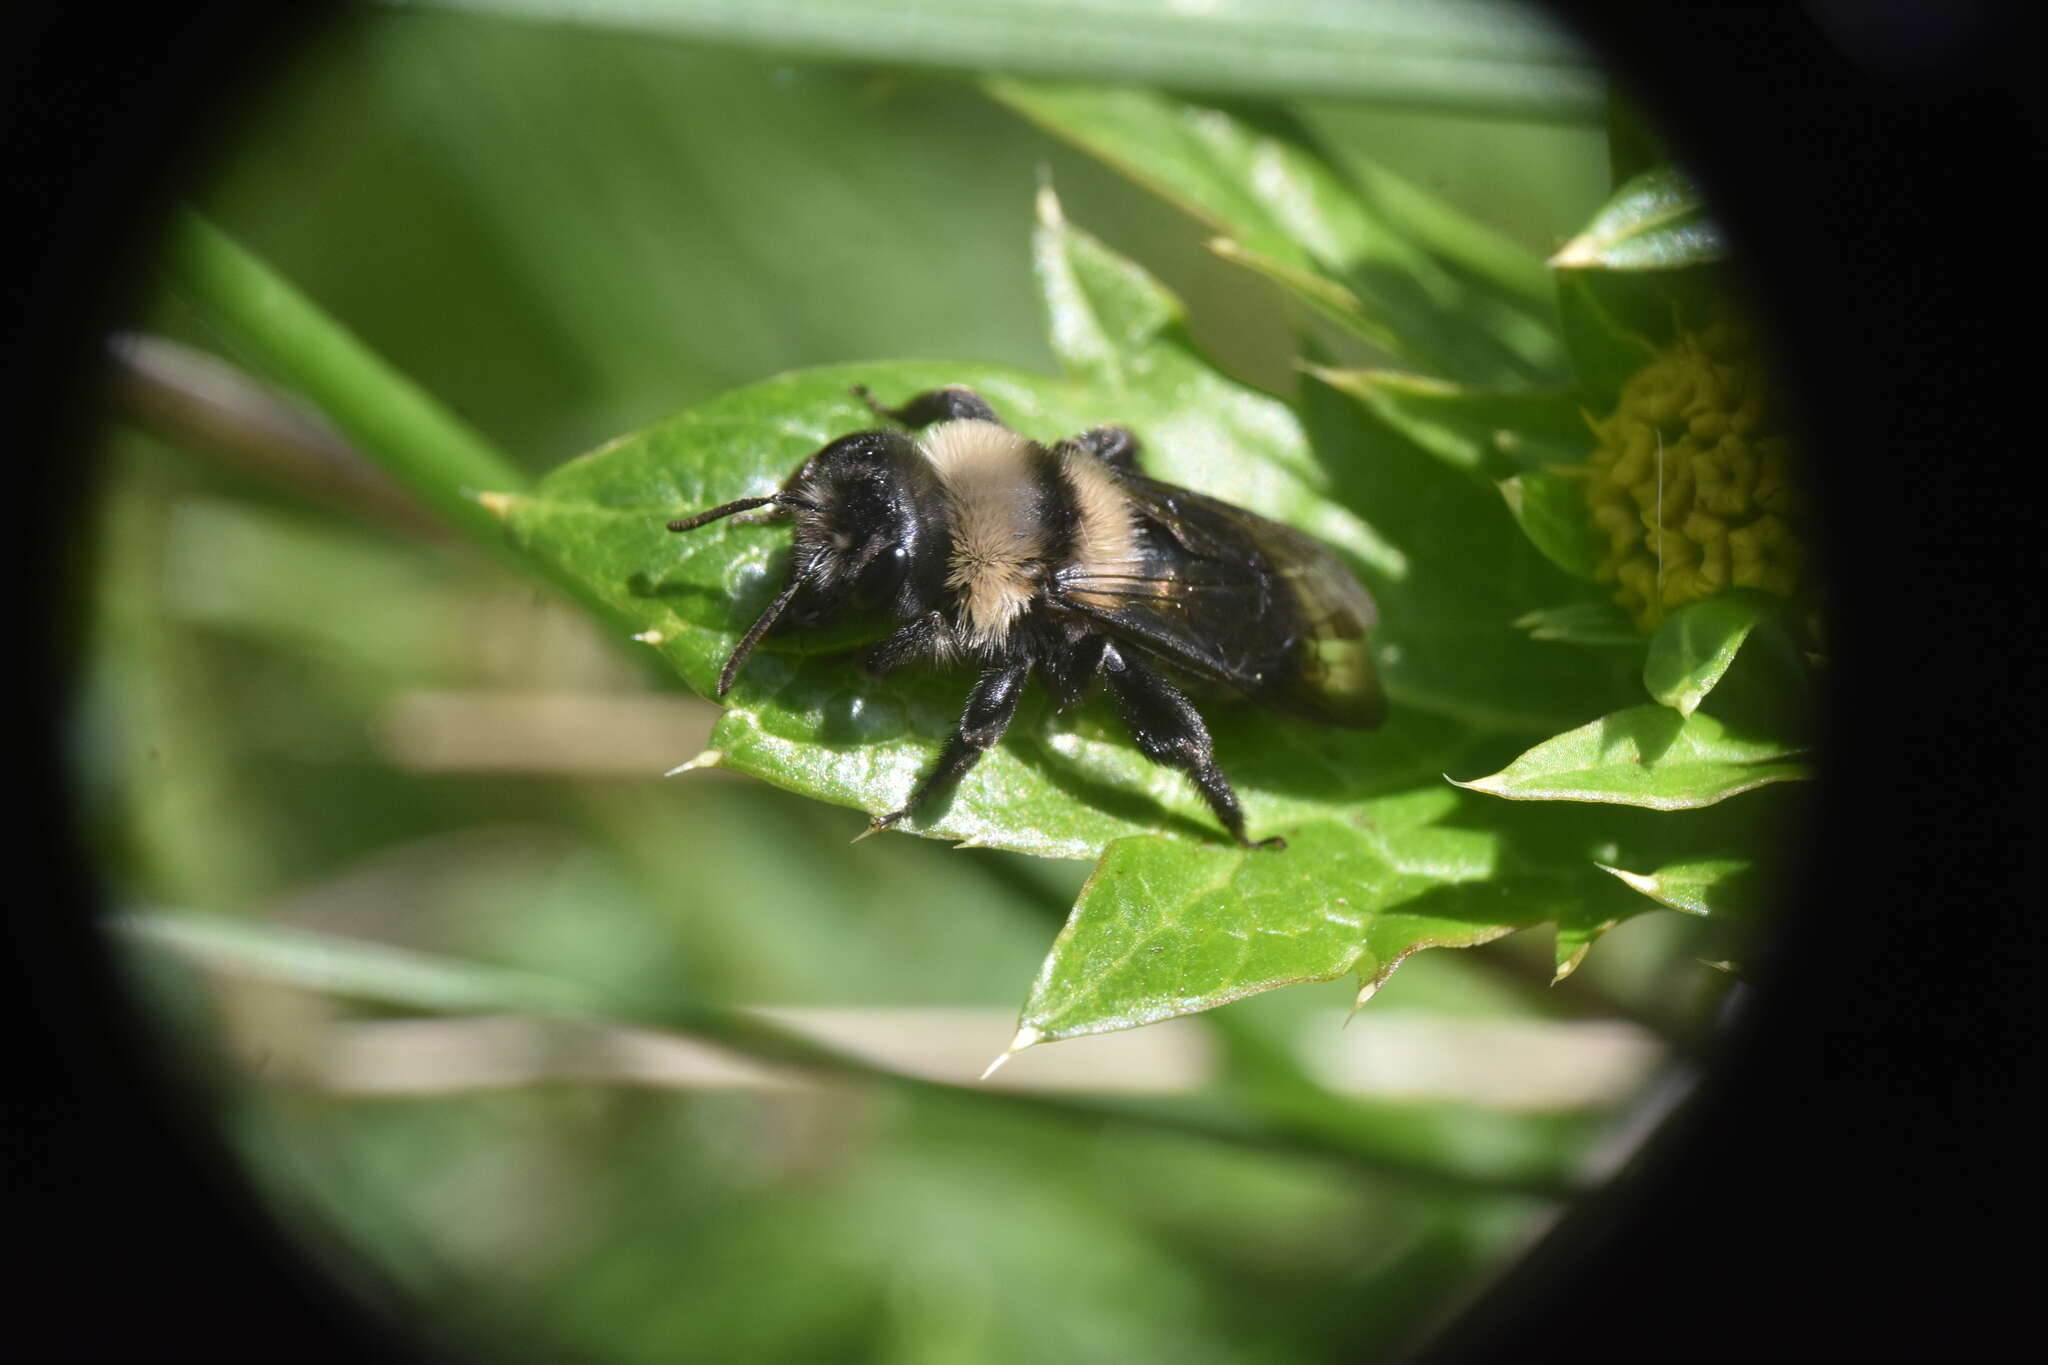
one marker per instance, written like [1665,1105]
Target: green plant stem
[202,404]
[380,411]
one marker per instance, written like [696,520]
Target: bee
[1065,561]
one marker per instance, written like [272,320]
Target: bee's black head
[870,527]
[870,532]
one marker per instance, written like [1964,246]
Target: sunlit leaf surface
[1657,221]
[1162,930]
[1702,886]
[1646,756]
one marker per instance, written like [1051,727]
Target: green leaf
[1647,264]
[1157,934]
[801,715]
[1551,510]
[1694,646]
[1656,221]
[1647,756]
[1447,643]
[1367,819]
[1771,686]
[1604,345]
[1470,60]
[1287,213]
[1710,861]
[1163,930]
[1703,886]
[1577,932]
[1493,432]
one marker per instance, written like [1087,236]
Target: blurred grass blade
[1450,233]
[1647,756]
[1492,432]
[1201,159]
[1456,56]
[1324,296]
[381,412]
[340,966]
[1290,215]
[438,985]
[1582,623]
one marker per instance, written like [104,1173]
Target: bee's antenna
[874,404]
[743,505]
[757,630]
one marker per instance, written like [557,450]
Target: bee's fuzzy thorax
[995,494]
[1013,507]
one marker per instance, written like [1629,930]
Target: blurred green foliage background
[565,233]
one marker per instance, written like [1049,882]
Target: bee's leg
[953,403]
[1170,731]
[1114,446]
[989,708]
[1069,667]
[921,639]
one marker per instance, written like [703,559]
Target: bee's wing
[1227,595]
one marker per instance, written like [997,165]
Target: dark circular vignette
[1834,1185]
[1840,1181]
[136,1234]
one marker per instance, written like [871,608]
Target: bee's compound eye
[883,576]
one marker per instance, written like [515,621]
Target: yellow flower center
[1692,480]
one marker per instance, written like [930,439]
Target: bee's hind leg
[1170,731]
[955,402]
